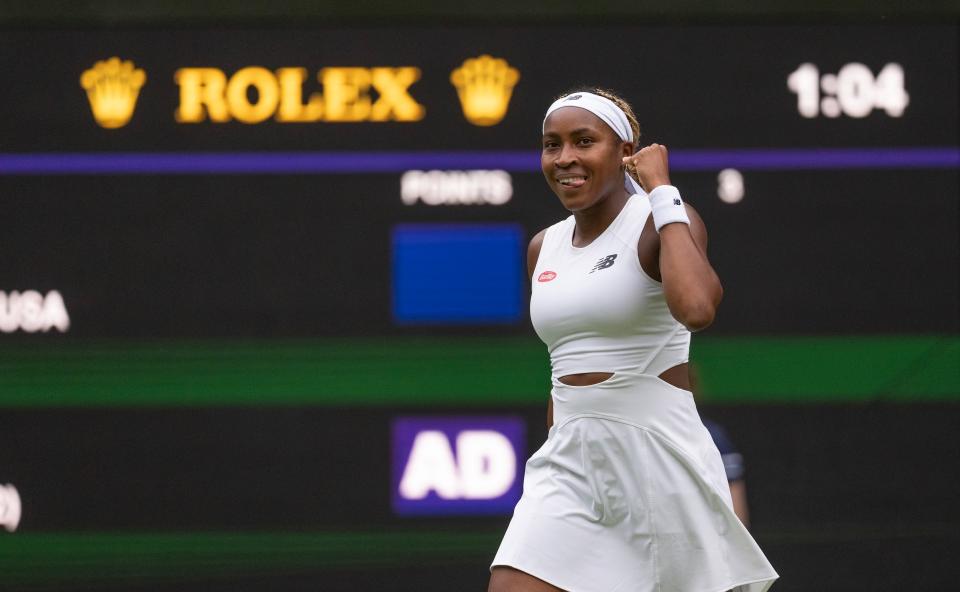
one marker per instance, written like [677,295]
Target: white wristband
[667,206]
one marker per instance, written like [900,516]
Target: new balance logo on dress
[604,263]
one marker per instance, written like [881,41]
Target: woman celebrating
[628,493]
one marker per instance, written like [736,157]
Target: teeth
[571,180]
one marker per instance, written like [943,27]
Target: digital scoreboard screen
[252,183]
[272,283]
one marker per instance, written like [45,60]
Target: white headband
[602,107]
[609,113]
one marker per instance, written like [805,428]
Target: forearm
[690,285]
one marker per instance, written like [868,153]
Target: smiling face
[582,158]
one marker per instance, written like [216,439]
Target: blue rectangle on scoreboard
[457,273]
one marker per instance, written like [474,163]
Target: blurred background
[263,302]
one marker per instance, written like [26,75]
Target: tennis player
[628,493]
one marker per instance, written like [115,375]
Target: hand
[651,166]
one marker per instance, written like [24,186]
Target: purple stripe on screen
[311,163]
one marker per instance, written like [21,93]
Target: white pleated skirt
[628,493]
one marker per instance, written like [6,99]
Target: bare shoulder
[533,251]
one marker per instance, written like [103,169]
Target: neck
[592,221]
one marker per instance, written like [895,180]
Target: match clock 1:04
[853,91]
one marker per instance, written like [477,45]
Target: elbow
[698,317]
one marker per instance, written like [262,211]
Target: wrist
[654,183]
[667,207]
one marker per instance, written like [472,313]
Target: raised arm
[690,285]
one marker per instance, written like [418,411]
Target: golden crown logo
[112,87]
[484,85]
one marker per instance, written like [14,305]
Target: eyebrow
[577,132]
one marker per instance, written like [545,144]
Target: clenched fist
[650,165]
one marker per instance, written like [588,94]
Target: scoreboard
[268,280]
[268,183]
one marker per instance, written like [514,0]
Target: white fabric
[602,107]
[631,185]
[609,113]
[629,494]
[596,317]
[667,206]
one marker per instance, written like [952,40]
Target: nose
[567,156]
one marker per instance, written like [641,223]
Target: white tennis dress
[628,493]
